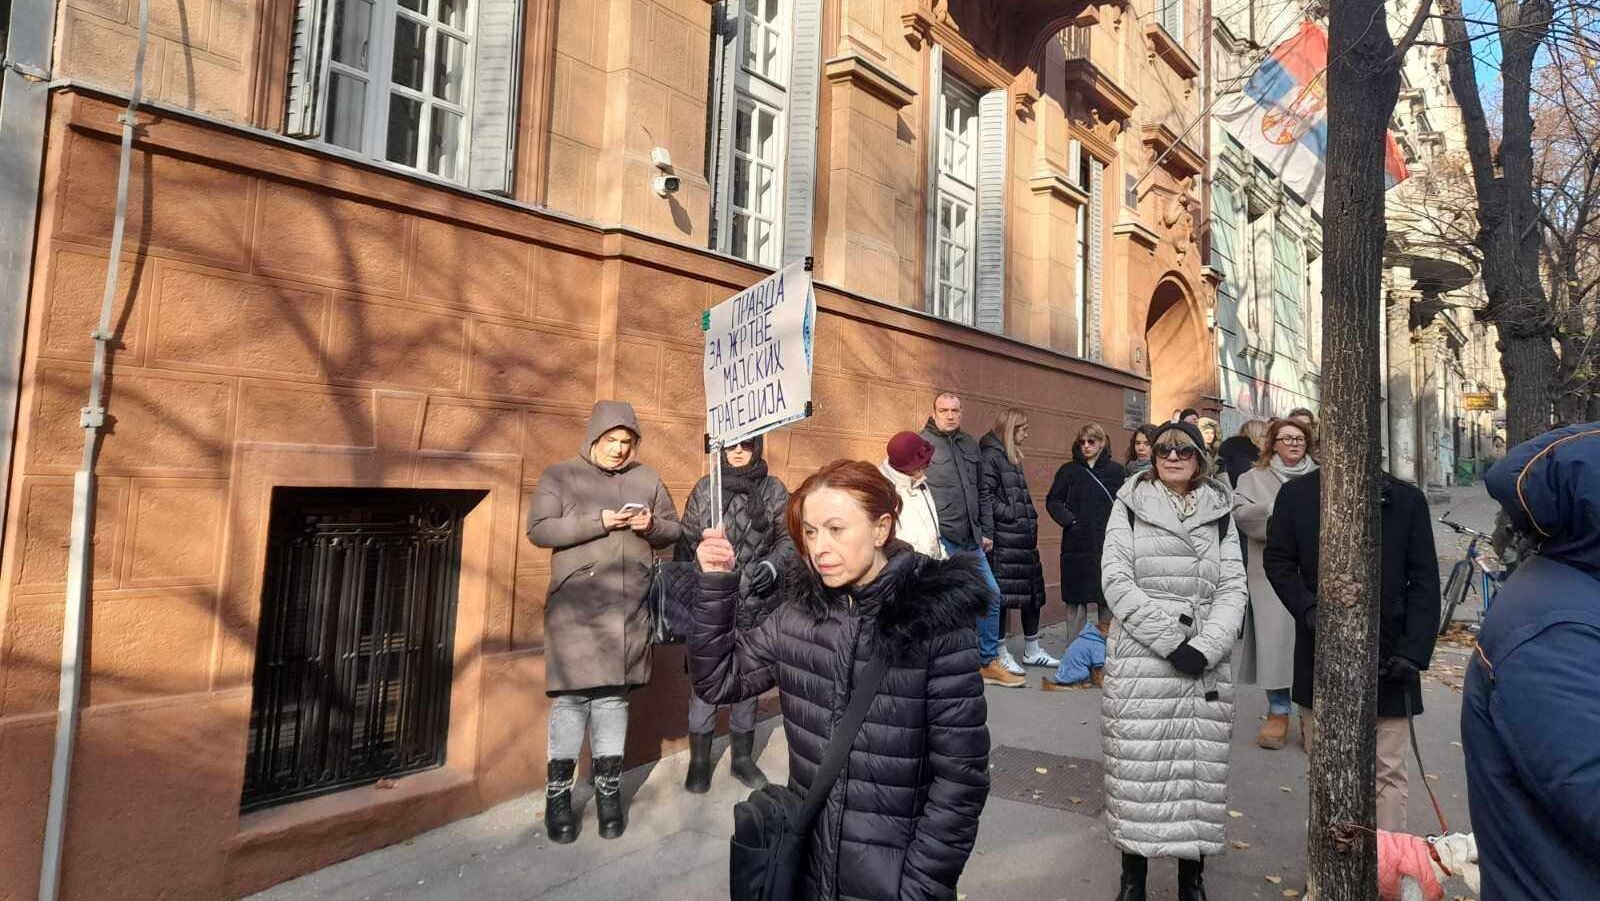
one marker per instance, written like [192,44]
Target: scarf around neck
[1185,504]
[1285,473]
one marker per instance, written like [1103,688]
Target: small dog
[1416,869]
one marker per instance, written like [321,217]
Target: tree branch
[1414,30]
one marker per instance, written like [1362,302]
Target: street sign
[758,357]
[1485,400]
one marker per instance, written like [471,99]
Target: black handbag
[673,587]
[767,855]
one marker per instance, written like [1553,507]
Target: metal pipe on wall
[79,562]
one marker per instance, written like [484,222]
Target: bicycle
[1480,571]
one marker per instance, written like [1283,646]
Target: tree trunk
[1363,85]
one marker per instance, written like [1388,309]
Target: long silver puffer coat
[1165,735]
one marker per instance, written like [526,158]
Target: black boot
[1191,880]
[560,820]
[744,764]
[608,796]
[698,782]
[1134,869]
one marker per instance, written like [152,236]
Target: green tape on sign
[705,321]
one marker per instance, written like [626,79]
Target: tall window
[754,83]
[1170,17]
[1225,238]
[956,197]
[1081,279]
[413,82]
[1288,295]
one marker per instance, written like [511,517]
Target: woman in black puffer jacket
[753,504]
[1080,502]
[901,820]
[1009,520]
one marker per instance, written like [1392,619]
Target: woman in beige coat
[603,513]
[1266,657]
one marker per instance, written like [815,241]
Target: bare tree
[1363,86]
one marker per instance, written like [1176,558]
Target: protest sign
[758,357]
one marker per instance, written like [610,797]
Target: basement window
[355,648]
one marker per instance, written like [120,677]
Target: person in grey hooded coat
[603,513]
[1172,574]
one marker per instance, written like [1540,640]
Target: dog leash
[1416,750]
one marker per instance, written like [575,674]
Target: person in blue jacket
[1531,707]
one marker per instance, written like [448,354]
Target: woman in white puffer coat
[1176,585]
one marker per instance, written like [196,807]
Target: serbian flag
[1282,116]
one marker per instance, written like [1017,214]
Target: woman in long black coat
[1080,502]
[901,820]
[1008,519]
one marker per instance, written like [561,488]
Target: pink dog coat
[1401,855]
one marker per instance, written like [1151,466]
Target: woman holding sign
[753,503]
[603,513]
[863,613]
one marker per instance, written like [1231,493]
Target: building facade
[381,257]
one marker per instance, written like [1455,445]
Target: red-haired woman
[901,818]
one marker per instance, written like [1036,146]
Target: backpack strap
[1224,525]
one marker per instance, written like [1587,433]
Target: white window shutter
[1172,19]
[1075,163]
[719,146]
[304,113]
[930,249]
[494,95]
[800,166]
[990,258]
[1097,230]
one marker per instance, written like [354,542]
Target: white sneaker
[1040,658]
[1010,662]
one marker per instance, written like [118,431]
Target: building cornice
[1171,52]
[1056,184]
[1105,95]
[858,71]
[921,25]
[1177,156]
[1138,233]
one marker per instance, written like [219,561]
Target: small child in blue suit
[1082,664]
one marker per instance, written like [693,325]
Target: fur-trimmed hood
[915,599]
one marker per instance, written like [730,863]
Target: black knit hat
[1188,428]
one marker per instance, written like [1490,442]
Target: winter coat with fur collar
[901,820]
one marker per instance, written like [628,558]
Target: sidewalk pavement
[1032,845]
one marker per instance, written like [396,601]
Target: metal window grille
[354,653]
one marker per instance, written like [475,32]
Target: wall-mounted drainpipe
[79,577]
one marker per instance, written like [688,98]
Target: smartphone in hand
[630,509]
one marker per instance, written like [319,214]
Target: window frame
[760,90]
[1288,272]
[380,85]
[958,190]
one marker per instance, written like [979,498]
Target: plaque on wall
[1135,408]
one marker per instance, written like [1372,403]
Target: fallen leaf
[1040,770]
[1290,893]
[1242,846]
[1275,880]
[1286,789]
[1235,814]
[1432,777]
[385,784]
[1076,800]
[1455,744]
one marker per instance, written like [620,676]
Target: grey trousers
[1078,615]
[605,718]
[703,716]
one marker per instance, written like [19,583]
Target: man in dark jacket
[1408,622]
[1530,710]
[953,479]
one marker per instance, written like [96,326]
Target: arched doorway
[1179,351]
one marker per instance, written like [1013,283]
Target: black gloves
[1187,660]
[1309,619]
[762,579]
[1398,669]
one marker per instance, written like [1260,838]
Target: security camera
[661,159]
[667,184]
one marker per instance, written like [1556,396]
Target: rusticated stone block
[325,238]
[26,751]
[683,383]
[675,448]
[399,421]
[150,645]
[149,434]
[305,415]
[532,363]
[204,83]
[46,532]
[567,287]
[892,408]
[102,50]
[380,344]
[527,609]
[31,678]
[230,323]
[477,428]
[466,267]
[175,529]
[230,28]
[865,349]
[77,288]
[638,374]
[548,438]
[192,209]
[838,403]
[656,302]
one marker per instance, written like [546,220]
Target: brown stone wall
[290,319]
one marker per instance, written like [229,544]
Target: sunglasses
[1291,440]
[1183,451]
[744,446]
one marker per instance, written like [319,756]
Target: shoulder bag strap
[1103,488]
[844,735]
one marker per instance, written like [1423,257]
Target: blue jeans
[1278,702]
[989,623]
